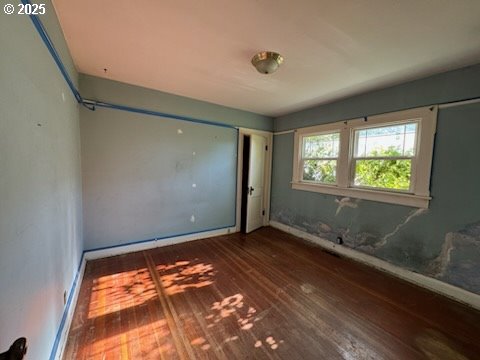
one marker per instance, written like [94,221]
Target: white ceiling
[332,49]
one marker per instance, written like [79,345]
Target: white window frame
[419,193]
[302,158]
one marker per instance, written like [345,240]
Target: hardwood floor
[266,295]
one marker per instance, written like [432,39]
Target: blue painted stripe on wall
[158,238]
[76,93]
[66,311]
[53,52]
[151,112]
[51,48]
[76,280]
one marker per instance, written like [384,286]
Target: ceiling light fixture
[267,62]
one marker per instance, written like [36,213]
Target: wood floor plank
[266,295]
[345,298]
[397,294]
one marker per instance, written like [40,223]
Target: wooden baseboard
[450,291]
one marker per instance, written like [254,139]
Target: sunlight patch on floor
[150,338]
[120,291]
[184,275]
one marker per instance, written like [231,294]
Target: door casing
[268,173]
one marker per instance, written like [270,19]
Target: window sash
[353,159]
[303,158]
[383,158]
[302,141]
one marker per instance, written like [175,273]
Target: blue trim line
[158,238]
[51,48]
[76,280]
[56,57]
[53,353]
[93,104]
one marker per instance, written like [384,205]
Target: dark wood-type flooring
[260,296]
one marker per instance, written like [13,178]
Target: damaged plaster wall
[442,241]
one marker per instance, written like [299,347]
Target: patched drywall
[40,184]
[442,241]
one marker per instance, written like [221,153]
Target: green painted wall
[441,242]
[40,184]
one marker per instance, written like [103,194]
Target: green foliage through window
[323,171]
[384,173]
[319,154]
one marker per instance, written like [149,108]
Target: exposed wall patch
[413,214]
[439,265]
[460,251]
[346,202]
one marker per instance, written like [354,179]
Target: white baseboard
[435,285]
[69,311]
[128,248]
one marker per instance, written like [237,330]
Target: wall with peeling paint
[442,242]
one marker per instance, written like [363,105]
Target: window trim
[419,193]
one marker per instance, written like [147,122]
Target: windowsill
[366,194]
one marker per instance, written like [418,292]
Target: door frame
[268,173]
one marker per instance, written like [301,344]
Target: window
[319,158]
[383,158]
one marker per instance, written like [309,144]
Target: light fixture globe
[267,62]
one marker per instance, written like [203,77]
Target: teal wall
[40,184]
[441,242]
[449,86]
[145,176]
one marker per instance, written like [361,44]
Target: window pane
[383,173]
[394,140]
[320,146]
[323,171]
